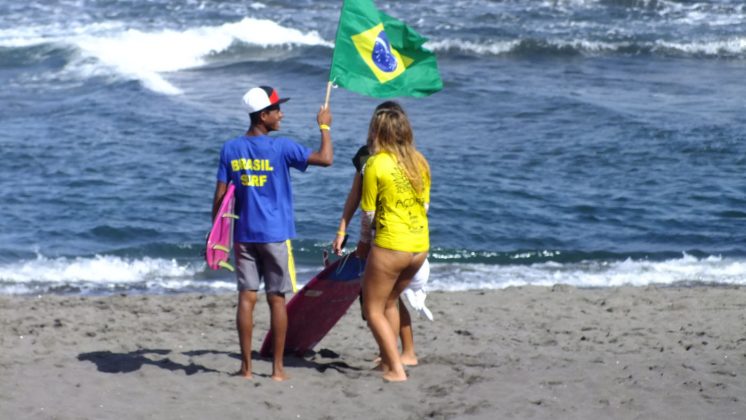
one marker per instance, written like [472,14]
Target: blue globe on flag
[382,56]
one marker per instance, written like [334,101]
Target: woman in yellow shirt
[395,196]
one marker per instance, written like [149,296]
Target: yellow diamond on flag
[376,50]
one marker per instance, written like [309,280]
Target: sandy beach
[529,352]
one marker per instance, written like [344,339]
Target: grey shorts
[271,262]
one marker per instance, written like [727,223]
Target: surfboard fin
[226,265]
[221,248]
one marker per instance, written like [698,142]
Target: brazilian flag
[378,55]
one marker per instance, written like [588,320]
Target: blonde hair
[390,132]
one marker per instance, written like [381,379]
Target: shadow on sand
[110,362]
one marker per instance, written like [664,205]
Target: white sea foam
[730,46]
[510,46]
[102,273]
[688,269]
[29,35]
[146,56]
[734,46]
[101,269]
[479,48]
[109,273]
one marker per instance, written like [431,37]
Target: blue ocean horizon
[595,144]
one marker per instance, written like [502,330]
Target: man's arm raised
[325,155]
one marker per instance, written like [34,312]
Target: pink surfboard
[220,238]
[317,307]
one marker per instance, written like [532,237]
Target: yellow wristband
[341,233]
[325,127]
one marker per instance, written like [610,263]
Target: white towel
[415,292]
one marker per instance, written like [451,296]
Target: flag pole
[328,92]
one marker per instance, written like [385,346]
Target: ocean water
[594,143]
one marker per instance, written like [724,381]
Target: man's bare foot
[280,376]
[246,374]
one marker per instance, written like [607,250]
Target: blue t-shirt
[259,167]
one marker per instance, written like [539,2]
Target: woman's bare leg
[381,273]
[391,311]
[408,356]
[387,274]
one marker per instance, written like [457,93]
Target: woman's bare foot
[381,367]
[406,360]
[392,376]
[409,360]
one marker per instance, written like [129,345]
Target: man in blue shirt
[259,167]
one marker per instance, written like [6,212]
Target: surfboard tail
[318,306]
[226,265]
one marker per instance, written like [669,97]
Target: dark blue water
[593,143]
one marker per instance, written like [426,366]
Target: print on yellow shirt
[401,219]
[407,199]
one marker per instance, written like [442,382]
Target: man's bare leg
[245,326]
[279,321]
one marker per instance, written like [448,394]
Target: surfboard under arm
[220,238]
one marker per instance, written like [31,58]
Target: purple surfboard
[220,238]
[317,307]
